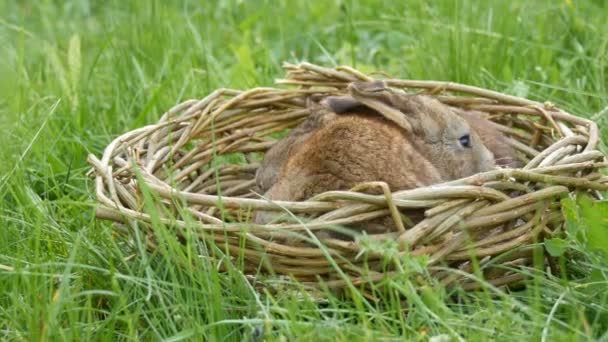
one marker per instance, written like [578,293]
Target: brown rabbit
[277,155]
[404,140]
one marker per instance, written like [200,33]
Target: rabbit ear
[342,104]
[377,96]
[345,104]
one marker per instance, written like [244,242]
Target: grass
[76,73]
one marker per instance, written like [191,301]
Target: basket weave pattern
[484,215]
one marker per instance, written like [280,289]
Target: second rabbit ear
[348,104]
[377,96]
[343,104]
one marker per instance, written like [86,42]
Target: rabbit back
[352,149]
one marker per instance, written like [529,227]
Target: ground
[76,73]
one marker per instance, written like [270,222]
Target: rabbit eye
[465,141]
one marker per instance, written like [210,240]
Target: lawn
[76,73]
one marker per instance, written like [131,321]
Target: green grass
[75,74]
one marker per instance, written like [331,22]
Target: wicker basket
[482,217]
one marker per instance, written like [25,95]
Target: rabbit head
[492,137]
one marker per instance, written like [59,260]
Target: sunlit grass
[74,74]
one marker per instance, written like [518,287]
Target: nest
[199,161]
